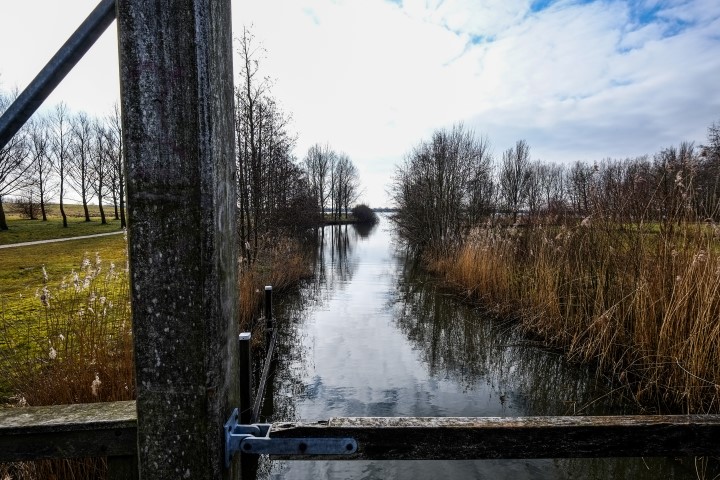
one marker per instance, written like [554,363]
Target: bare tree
[552,187]
[674,176]
[482,188]
[42,162]
[273,193]
[14,163]
[515,177]
[317,163]
[346,184]
[581,178]
[60,145]
[534,189]
[117,168]
[101,165]
[433,188]
[707,198]
[81,172]
[248,96]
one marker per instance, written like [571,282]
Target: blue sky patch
[539,5]
[642,15]
[480,39]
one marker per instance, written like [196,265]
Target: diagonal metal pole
[56,69]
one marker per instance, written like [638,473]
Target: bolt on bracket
[255,440]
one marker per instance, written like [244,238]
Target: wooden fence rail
[73,431]
[68,431]
[110,429]
[457,438]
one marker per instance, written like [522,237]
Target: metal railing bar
[265,377]
[56,69]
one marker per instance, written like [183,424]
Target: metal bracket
[255,440]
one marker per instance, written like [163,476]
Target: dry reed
[80,352]
[282,265]
[642,304]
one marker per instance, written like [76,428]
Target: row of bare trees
[277,194]
[334,180]
[452,182]
[58,155]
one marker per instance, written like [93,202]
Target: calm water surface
[372,336]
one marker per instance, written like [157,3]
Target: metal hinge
[255,440]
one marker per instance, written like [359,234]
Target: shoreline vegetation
[640,305]
[49,296]
[615,263]
[65,324]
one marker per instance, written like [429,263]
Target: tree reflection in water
[464,362]
[479,352]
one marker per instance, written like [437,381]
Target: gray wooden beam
[521,437]
[68,431]
[101,429]
[177,108]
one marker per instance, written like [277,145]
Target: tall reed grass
[78,351]
[640,300]
[78,348]
[281,265]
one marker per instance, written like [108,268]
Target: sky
[577,79]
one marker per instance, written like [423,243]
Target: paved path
[38,242]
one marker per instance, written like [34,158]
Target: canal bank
[371,335]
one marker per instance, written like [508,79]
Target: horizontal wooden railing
[457,438]
[73,431]
[109,429]
[68,431]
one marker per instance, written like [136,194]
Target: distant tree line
[60,154]
[452,182]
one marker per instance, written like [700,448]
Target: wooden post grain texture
[177,111]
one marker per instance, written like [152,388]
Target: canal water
[371,335]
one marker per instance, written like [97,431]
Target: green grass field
[23,318]
[23,230]
[21,267]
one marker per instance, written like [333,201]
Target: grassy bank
[46,295]
[24,230]
[76,290]
[640,301]
[281,266]
[65,327]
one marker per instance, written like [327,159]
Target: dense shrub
[364,214]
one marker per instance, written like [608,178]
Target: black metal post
[268,307]
[246,404]
[56,69]
[269,326]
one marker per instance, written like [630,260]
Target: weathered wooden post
[177,104]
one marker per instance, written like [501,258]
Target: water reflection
[371,335]
[489,357]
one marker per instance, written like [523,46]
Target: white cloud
[578,80]
[32,31]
